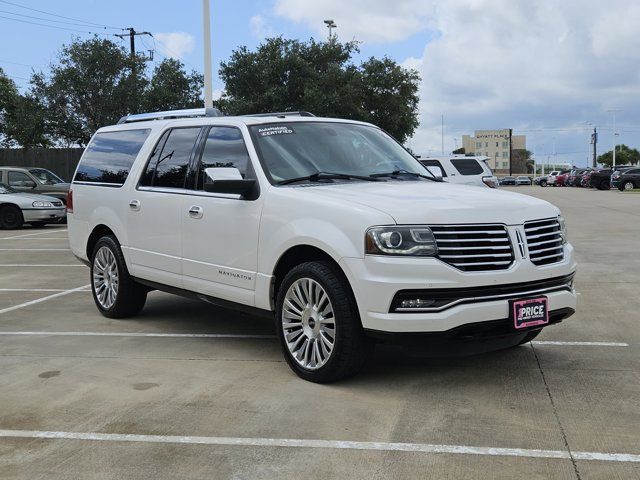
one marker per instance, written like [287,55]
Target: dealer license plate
[529,312]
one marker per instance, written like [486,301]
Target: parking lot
[187,390]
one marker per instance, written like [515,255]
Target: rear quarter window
[467,166]
[109,156]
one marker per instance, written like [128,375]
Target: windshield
[298,149]
[6,189]
[45,177]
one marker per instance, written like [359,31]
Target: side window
[224,147]
[20,179]
[467,166]
[147,177]
[109,156]
[435,167]
[168,165]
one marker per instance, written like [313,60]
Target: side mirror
[30,184]
[230,181]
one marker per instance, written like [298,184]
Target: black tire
[351,347]
[38,224]
[131,296]
[543,183]
[604,185]
[529,336]
[11,217]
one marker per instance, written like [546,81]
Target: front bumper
[52,215]
[376,280]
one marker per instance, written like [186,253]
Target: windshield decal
[279,130]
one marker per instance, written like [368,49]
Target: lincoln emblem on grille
[520,244]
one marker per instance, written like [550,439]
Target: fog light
[416,303]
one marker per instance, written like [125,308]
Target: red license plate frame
[529,312]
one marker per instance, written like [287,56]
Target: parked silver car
[18,208]
[35,180]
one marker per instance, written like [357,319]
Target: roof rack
[282,114]
[188,113]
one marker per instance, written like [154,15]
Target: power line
[17,63]
[45,19]
[60,16]
[51,26]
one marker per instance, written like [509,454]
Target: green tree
[459,151]
[93,84]
[285,75]
[8,94]
[172,88]
[624,156]
[521,161]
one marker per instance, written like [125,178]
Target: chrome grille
[544,240]
[473,248]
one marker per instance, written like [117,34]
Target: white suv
[330,225]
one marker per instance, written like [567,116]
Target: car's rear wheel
[11,217]
[318,324]
[604,185]
[115,293]
[543,183]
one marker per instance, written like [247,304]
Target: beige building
[495,145]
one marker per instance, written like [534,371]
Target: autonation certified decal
[279,130]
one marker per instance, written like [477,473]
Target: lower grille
[544,240]
[474,247]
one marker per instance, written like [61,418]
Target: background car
[17,208]
[35,180]
[586,179]
[601,177]
[575,177]
[561,178]
[523,180]
[627,180]
[551,178]
[508,181]
[460,169]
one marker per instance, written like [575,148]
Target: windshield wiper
[396,173]
[314,177]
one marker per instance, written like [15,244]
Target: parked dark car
[508,181]
[540,180]
[575,177]
[627,180]
[601,178]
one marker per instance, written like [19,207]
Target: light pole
[330,25]
[206,27]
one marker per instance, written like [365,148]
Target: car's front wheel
[628,185]
[115,293]
[318,323]
[10,217]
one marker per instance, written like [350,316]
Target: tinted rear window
[467,166]
[109,156]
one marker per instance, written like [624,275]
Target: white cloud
[505,63]
[259,27]
[365,20]
[175,44]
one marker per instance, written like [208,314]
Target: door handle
[134,205]
[195,211]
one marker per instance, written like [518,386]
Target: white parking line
[44,299]
[139,334]
[32,290]
[41,238]
[326,444]
[581,344]
[26,235]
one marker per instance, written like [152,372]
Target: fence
[61,161]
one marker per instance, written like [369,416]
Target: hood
[416,202]
[32,197]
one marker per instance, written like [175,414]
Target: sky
[549,69]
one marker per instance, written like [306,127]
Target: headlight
[42,204]
[400,240]
[563,229]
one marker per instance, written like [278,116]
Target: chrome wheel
[105,277]
[308,323]
[628,186]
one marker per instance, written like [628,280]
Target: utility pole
[206,27]
[510,152]
[614,134]
[594,142]
[132,38]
